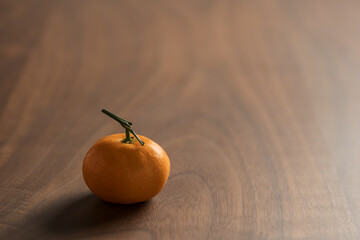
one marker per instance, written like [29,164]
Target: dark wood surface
[255,102]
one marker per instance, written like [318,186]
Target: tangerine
[121,169]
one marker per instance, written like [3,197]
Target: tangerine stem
[125,124]
[116,118]
[127,139]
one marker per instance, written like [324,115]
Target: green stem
[127,138]
[116,118]
[125,124]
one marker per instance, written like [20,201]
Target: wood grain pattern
[255,102]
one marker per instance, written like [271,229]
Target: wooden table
[257,104]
